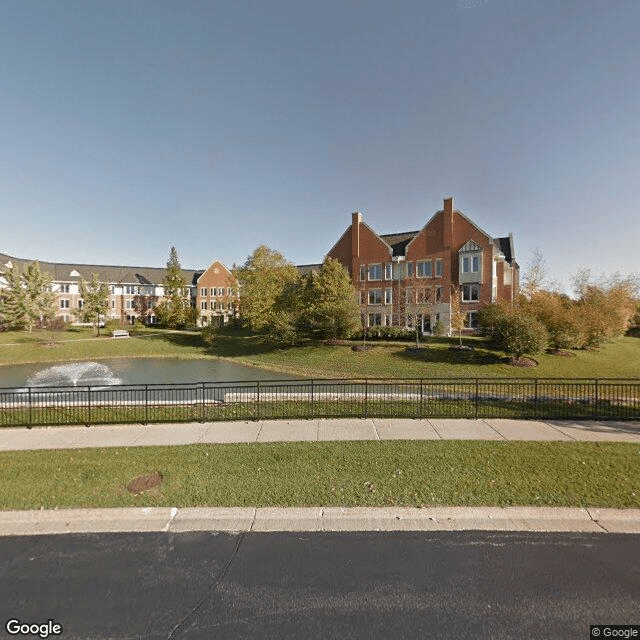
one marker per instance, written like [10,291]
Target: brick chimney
[447,226]
[356,219]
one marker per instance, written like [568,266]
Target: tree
[457,315]
[328,304]
[173,311]
[95,295]
[144,303]
[40,301]
[555,312]
[13,299]
[262,280]
[27,299]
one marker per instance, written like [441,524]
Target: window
[388,296]
[438,268]
[409,298]
[203,305]
[470,292]
[80,304]
[375,272]
[130,290]
[151,304]
[203,292]
[471,264]
[228,291]
[64,288]
[375,319]
[438,294]
[472,320]
[64,304]
[363,272]
[113,304]
[361,296]
[423,268]
[424,296]
[375,296]
[409,269]
[387,319]
[130,304]
[388,271]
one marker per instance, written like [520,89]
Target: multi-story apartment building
[410,277]
[216,294]
[133,291]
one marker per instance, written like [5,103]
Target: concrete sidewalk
[175,520]
[317,430]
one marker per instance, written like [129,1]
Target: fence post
[258,400]
[30,416]
[366,398]
[421,400]
[476,398]
[535,398]
[146,404]
[595,406]
[204,406]
[312,401]
[89,405]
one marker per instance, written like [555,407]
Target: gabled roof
[62,272]
[505,246]
[399,241]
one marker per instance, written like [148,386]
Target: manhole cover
[142,483]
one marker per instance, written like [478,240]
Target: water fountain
[74,374]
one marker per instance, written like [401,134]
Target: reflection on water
[133,371]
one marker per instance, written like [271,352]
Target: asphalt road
[321,585]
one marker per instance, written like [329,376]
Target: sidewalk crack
[597,522]
[208,592]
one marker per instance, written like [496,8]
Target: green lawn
[329,474]
[619,358]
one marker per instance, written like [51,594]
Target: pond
[132,371]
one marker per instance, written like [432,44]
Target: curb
[318,519]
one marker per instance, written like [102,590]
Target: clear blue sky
[216,126]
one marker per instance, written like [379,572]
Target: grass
[283,409]
[80,343]
[386,473]
[620,358]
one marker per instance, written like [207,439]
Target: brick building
[407,278]
[134,291]
[216,294]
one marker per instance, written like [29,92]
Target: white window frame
[388,270]
[388,295]
[374,316]
[375,296]
[424,269]
[467,290]
[375,269]
[363,272]
[439,269]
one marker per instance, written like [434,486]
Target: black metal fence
[617,399]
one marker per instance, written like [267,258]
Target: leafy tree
[555,312]
[262,280]
[13,299]
[95,295]
[173,311]
[27,299]
[144,304]
[457,315]
[327,302]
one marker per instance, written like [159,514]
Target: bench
[120,333]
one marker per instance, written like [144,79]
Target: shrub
[520,334]
[438,329]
